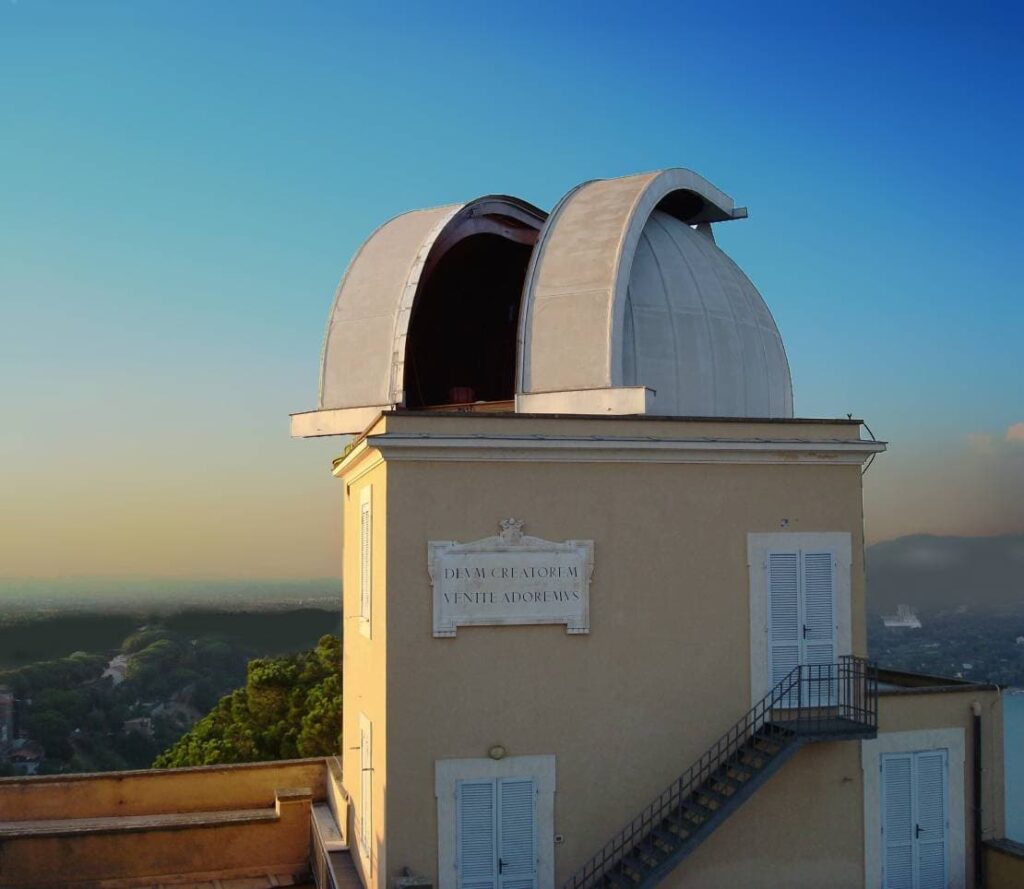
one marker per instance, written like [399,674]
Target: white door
[497,843]
[801,621]
[914,823]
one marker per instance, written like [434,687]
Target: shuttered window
[365,558]
[497,833]
[801,616]
[898,821]
[931,819]
[517,854]
[477,835]
[783,613]
[914,823]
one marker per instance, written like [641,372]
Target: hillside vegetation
[138,687]
[26,638]
[289,707]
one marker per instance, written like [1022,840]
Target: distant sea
[1013,737]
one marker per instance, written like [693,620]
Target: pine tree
[289,707]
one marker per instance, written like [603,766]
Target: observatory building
[604,599]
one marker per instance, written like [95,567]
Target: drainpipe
[979,852]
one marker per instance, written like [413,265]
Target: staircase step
[732,774]
[618,881]
[699,812]
[679,826]
[710,792]
[638,867]
[649,853]
[725,787]
[668,840]
[776,730]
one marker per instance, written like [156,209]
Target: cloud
[989,444]
[972,488]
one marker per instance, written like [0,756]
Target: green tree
[290,706]
[51,729]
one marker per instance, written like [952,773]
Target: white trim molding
[366,572]
[952,741]
[839,543]
[447,772]
[615,449]
[335,421]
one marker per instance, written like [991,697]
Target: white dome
[613,304]
[630,309]
[697,332]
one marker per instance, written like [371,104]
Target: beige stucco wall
[803,829]
[807,822]
[363,660]
[1004,869]
[910,712]
[663,672]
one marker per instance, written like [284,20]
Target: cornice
[400,446]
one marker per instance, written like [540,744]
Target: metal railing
[830,699]
[812,700]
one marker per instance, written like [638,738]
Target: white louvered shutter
[818,630]
[477,859]
[897,821]
[517,842]
[365,786]
[783,614]
[930,826]
[365,554]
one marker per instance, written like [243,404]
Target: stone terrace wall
[157,791]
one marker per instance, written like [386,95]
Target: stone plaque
[511,579]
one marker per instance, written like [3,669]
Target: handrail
[811,700]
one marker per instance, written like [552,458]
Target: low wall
[157,791]
[112,830]
[1004,864]
[106,858]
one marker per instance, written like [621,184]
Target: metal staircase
[819,702]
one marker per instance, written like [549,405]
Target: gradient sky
[183,183]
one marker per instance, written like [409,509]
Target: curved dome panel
[697,332]
[624,296]
[414,281]
[373,298]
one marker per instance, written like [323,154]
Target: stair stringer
[721,814]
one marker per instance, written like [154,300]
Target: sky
[182,185]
